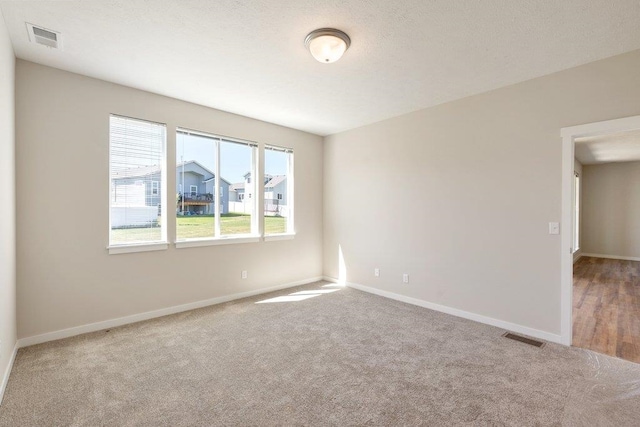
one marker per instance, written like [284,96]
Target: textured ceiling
[618,147]
[248,57]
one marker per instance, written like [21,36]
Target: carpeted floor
[335,358]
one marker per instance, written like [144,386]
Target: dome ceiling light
[327,45]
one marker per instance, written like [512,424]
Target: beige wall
[7,203]
[612,209]
[460,195]
[65,276]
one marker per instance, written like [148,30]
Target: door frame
[569,134]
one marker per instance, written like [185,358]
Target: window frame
[219,238]
[290,224]
[155,245]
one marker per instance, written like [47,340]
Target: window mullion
[216,192]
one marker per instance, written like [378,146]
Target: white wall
[479,180]
[577,168]
[65,276]
[612,209]
[7,205]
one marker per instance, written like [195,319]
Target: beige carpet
[338,358]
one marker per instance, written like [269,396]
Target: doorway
[600,311]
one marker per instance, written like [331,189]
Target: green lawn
[197,226]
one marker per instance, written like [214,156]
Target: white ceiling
[618,147]
[248,57]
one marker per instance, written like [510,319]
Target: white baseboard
[7,372]
[577,257]
[624,258]
[513,327]
[112,323]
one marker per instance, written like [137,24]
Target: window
[136,173]
[278,190]
[193,190]
[576,212]
[213,162]
[241,196]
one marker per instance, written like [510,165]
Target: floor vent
[523,339]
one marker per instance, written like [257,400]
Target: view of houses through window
[198,158]
[136,156]
[278,190]
[214,190]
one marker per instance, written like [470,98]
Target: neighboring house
[236,192]
[135,197]
[139,191]
[275,195]
[195,189]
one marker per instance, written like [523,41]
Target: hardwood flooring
[606,307]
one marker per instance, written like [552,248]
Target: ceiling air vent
[44,37]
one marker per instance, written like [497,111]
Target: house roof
[151,170]
[277,179]
[236,186]
[195,162]
[221,178]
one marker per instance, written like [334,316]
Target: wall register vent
[52,39]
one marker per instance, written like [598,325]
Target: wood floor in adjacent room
[606,307]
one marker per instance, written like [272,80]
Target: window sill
[193,243]
[276,237]
[140,247]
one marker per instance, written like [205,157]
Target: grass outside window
[201,226]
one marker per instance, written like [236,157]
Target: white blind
[136,155]
[281,149]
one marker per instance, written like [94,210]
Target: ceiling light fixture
[327,45]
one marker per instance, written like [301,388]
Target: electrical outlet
[405,278]
[244,274]
[376,272]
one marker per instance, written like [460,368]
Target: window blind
[136,157]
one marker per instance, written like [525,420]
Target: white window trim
[155,186]
[291,231]
[191,192]
[214,241]
[158,245]
[137,247]
[218,195]
[279,236]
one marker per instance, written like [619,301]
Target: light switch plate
[554,228]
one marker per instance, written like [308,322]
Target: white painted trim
[577,257]
[569,134]
[602,128]
[112,323]
[625,258]
[281,236]
[7,372]
[145,247]
[192,243]
[513,327]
